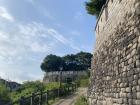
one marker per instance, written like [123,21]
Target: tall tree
[52,63]
[70,62]
[84,59]
[76,62]
[94,7]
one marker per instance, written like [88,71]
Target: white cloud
[5,14]
[36,47]
[57,36]
[22,45]
[37,30]
[19,76]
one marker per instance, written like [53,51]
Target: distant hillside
[10,84]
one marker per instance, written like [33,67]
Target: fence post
[75,87]
[41,99]
[32,99]
[47,99]
[54,94]
[65,90]
[72,88]
[68,89]
[58,92]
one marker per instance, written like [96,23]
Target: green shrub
[28,88]
[81,101]
[4,93]
[52,85]
[83,82]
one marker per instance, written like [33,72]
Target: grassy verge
[82,100]
[52,101]
[83,82]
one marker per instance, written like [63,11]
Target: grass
[82,100]
[52,101]
[33,87]
[83,82]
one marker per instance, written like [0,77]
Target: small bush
[52,85]
[83,82]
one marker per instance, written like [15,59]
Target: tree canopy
[52,63]
[94,7]
[71,62]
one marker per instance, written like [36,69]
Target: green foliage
[28,88]
[52,63]
[70,62]
[81,101]
[52,85]
[77,62]
[35,85]
[4,93]
[84,82]
[94,7]
[84,59]
[51,102]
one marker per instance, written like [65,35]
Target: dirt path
[71,99]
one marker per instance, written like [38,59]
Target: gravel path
[71,99]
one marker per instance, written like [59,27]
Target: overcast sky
[32,29]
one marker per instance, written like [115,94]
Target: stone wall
[115,75]
[55,76]
[110,17]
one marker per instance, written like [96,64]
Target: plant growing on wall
[94,7]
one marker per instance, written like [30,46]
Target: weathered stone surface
[138,95]
[137,102]
[115,75]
